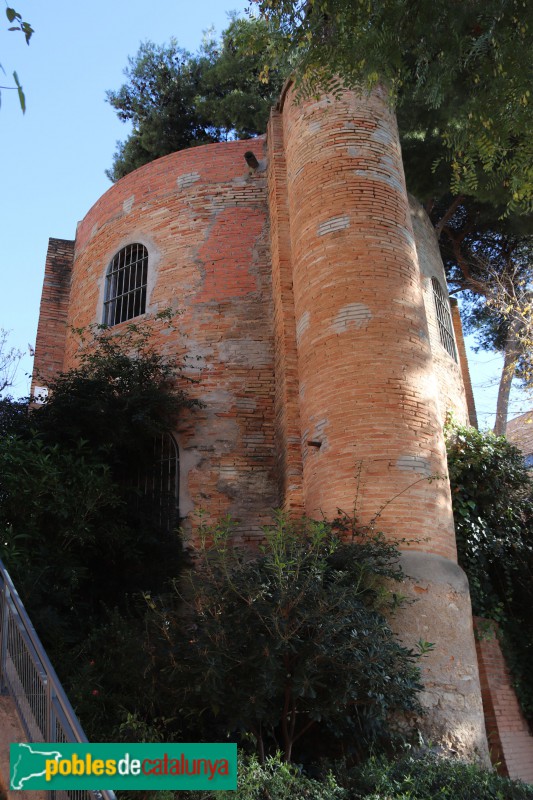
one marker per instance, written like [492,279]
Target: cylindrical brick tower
[367,392]
[371,434]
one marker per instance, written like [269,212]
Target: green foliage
[411,777]
[17,24]
[73,538]
[427,777]
[278,780]
[290,647]
[466,63]
[158,98]
[236,93]
[177,100]
[109,685]
[122,394]
[493,510]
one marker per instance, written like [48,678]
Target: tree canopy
[487,257]
[176,99]
[460,79]
[466,64]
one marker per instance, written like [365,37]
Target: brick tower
[313,310]
[368,405]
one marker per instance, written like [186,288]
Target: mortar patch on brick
[302,325]
[382,177]
[353,315]
[333,224]
[187,179]
[418,464]
[127,205]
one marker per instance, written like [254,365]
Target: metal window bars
[158,483]
[125,285]
[28,677]
[444,319]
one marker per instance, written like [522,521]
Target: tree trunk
[510,360]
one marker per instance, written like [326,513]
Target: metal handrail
[27,675]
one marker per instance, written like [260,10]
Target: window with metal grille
[125,287]
[444,319]
[158,483]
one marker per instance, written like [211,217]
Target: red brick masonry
[510,740]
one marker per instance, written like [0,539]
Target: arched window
[444,319]
[125,285]
[158,483]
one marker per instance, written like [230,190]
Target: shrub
[492,495]
[291,647]
[73,538]
[429,777]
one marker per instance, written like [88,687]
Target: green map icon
[28,763]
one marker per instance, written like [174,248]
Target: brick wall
[366,380]
[520,433]
[510,739]
[202,216]
[448,373]
[288,428]
[51,330]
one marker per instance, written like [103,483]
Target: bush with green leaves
[274,779]
[289,648]
[75,543]
[409,777]
[428,776]
[492,495]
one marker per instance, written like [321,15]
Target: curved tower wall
[451,375]
[367,392]
[203,218]
[371,432]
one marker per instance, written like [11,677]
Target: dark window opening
[158,484]
[125,286]
[444,319]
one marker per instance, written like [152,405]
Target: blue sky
[53,158]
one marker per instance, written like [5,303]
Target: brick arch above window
[125,284]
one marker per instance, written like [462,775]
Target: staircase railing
[28,677]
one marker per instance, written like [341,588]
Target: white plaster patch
[375,175]
[314,126]
[333,224]
[187,179]
[127,205]
[409,238]
[383,134]
[354,315]
[353,151]
[302,325]
[417,464]
[245,352]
